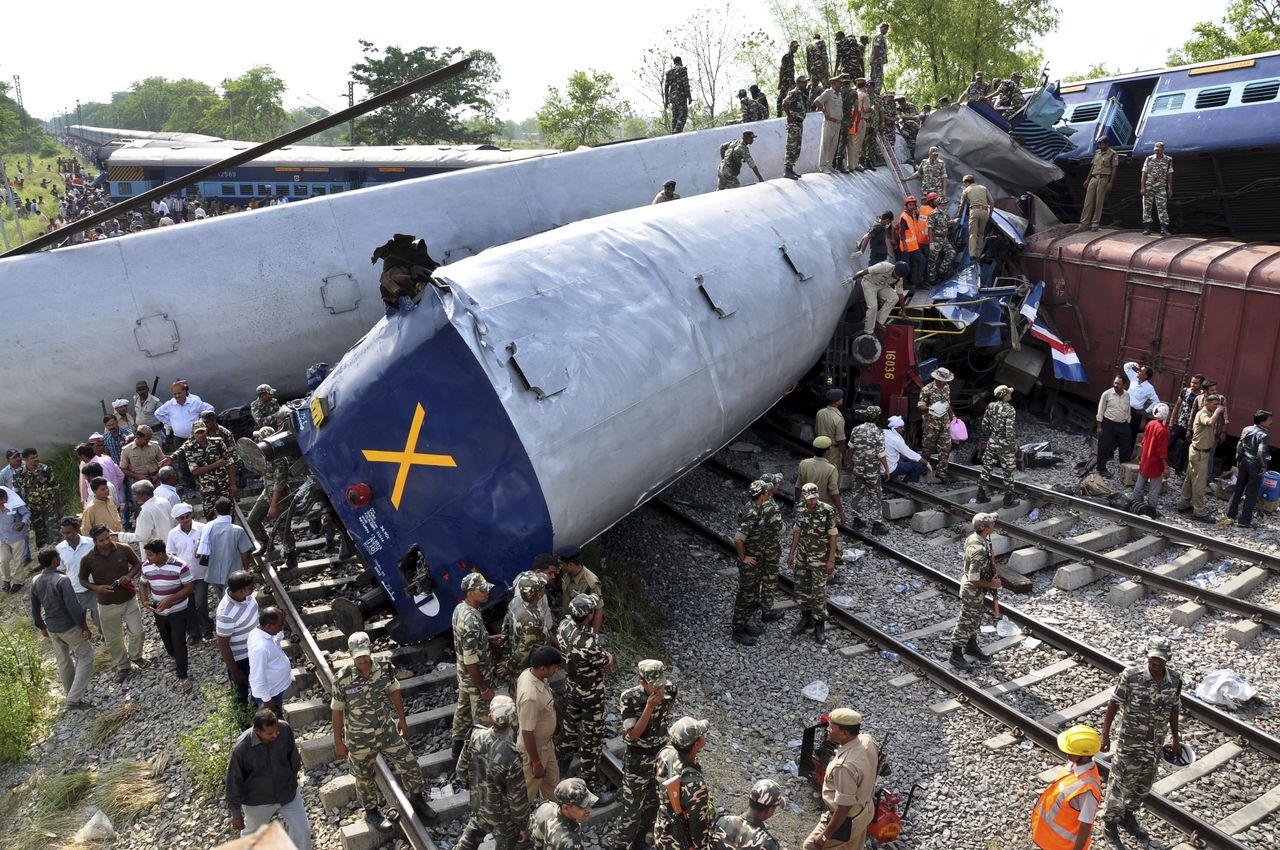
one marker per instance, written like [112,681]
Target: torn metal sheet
[975,146]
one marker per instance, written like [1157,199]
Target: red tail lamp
[359,495]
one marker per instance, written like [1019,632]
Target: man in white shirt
[182,411]
[154,517]
[905,464]
[167,488]
[270,672]
[1114,410]
[72,548]
[1142,396]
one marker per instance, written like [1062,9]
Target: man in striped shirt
[166,584]
[237,616]
[181,542]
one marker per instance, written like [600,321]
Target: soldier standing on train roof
[363,730]
[1147,697]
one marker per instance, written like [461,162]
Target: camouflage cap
[809,491]
[358,644]
[759,487]
[475,581]
[1001,391]
[872,411]
[686,730]
[266,388]
[574,792]
[583,604]
[1160,145]
[529,585]
[774,478]
[981,520]
[502,709]
[263,432]
[823,442]
[1159,648]
[765,793]
[654,672]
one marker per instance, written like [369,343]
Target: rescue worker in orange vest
[1064,816]
[922,222]
[911,248]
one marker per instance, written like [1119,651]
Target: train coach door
[1159,327]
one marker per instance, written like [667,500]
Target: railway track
[1239,736]
[306,594]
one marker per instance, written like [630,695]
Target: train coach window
[124,189]
[300,190]
[227,189]
[1086,112]
[1260,91]
[282,189]
[317,190]
[1169,102]
[335,188]
[264,189]
[1211,98]
[246,189]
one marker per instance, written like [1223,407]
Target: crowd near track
[1212,828]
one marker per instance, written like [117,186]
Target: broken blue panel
[988,333]
[1008,227]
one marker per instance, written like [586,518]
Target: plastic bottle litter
[794,769]
[888,656]
[1034,515]
[816,690]
[795,745]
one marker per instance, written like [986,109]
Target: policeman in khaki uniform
[820,471]
[579,580]
[1102,176]
[362,730]
[1147,696]
[536,715]
[686,812]
[829,422]
[748,831]
[490,767]
[558,825]
[848,786]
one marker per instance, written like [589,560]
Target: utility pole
[22,116]
[79,113]
[11,200]
[351,101]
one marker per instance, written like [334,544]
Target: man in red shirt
[1152,469]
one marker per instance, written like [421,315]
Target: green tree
[1250,26]
[251,107]
[587,113]
[434,115]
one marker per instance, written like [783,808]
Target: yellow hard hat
[1079,740]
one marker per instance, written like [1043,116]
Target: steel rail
[1203,596]
[415,832]
[1177,533]
[1199,831]
[318,126]
[1215,718]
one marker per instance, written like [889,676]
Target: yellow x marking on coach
[409,457]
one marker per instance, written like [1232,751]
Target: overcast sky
[313,45]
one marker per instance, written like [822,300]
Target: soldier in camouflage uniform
[223,433]
[870,469]
[733,155]
[889,119]
[1157,188]
[871,156]
[1009,98]
[645,710]
[363,730]
[817,63]
[490,767]
[264,408]
[879,54]
[476,668]
[586,663]
[558,825]
[796,106]
[686,812]
[977,90]
[275,484]
[525,630]
[38,487]
[787,74]
[846,54]
[211,463]
[932,174]
[752,541]
[812,560]
[942,254]
[908,123]
[771,556]
[1149,695]
[935,397]
[752,109]
[848,103]
[676,94]
[748,831]
[979,576]
[997,425]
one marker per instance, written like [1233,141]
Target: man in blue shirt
[15,519]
